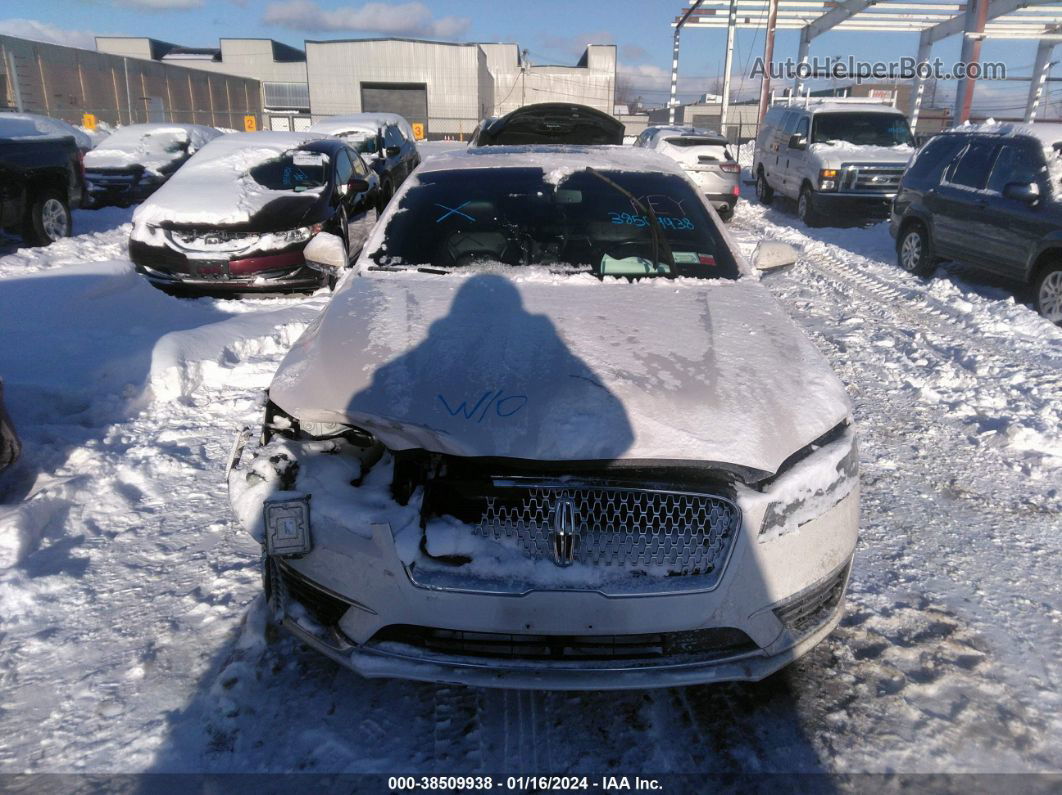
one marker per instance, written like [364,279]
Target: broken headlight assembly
[279,422]
[811,481]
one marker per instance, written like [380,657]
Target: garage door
[409,100]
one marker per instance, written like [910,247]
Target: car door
[361,213]
[780,147]
[960,205]
[795,157]
[1013,228]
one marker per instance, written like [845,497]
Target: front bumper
[282,271]
[854,203]
[373,591]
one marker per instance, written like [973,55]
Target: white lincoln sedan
[552,432]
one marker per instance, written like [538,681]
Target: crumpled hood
[564,369]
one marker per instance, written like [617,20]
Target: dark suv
[989,197]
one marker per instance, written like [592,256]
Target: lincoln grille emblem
[563,535]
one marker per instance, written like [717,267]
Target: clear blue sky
[554,31]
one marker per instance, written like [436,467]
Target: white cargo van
[832,157]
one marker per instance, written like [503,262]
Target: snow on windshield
[229,181]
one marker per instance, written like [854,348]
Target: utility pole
[523,78]
[768,54]
[673,102]
[731,28]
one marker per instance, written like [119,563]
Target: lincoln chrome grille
[662,533]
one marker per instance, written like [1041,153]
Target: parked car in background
[136,160]
[384,140]
[10,447]
[549,123]
[835,158]
[990,197]
[706,159]
[237,216]
[480,465]
[41,179]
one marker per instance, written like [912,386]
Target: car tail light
[81,163]
[735,191]
[730,168]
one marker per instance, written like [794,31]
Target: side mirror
[1028,192]
[773,256]
[393,151]
[798,141]
[357,185]
[325,252]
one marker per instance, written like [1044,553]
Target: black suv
[41,178]
[989,197]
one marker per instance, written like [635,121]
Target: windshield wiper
[657,231]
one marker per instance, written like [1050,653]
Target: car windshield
[364,141]
[295,171]
[862,129]
[518,217]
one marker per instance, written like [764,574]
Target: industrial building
[444,88]
[278,68]
[68,83]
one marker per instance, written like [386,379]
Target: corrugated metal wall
[65,82]
[455,75]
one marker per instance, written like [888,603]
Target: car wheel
[764,192]
[49,220]
[914,252]
[1047,293]
[806,209]
[726,214]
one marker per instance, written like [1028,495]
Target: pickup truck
[41,179]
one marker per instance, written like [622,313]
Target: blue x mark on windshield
[453,211]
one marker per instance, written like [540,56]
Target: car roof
[553,157]
[845,107]
[1048,133]
[692,132]
[267,139]
[357,121]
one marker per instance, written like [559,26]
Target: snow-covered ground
[134,637]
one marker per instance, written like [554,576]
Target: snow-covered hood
[836,154]
[564,369]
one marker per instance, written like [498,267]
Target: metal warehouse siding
[66,82]
[455,77]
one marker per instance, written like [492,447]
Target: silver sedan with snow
[552,432]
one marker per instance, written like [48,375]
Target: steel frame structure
[933,20]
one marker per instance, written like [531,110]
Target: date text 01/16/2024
[523,783]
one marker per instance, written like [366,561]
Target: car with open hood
[705,157]
[238,215]
[549,123]
[384,140]
[552,432]
[136,160]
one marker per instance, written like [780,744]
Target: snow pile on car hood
[214,186]
[558,368]
[152,146]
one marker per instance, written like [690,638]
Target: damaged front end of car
[567,575]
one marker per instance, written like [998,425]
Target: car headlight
[811,481]
[297,235]
[828,179]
